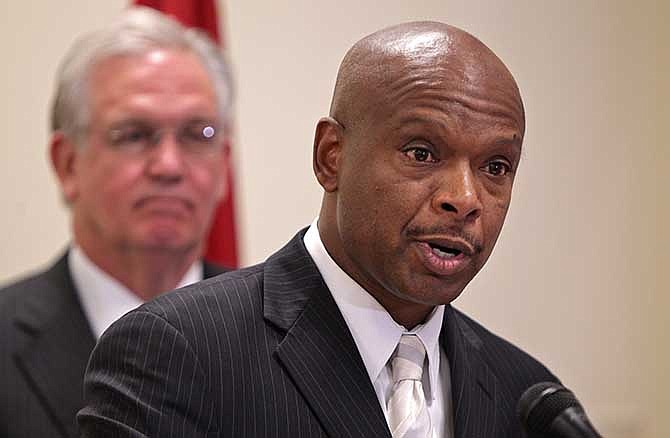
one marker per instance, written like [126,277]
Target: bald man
[348,330]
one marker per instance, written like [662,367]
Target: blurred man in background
[139,126]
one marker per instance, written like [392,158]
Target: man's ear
[225,171]
[327,151]
[63,153]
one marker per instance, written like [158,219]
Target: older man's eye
[199,133]
[130,136]
[420,154]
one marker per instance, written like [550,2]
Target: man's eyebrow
[509,140]
[129,121]
[508,137]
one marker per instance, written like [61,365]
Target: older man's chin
[169,235]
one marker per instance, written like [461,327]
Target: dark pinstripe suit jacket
[45,342]
[265,352]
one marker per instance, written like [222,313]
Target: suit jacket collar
[474,387]
[56,342]
[212,270]
[318,350]
[321,356]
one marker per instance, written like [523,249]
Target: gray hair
[137,31]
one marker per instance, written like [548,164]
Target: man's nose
[457,193]
[166,160]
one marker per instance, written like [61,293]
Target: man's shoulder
[236,296]
[501,355]
[33,286]
[213,269]
[17,288]
[227,294]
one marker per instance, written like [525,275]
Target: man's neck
[145,272]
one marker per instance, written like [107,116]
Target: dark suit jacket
[45,342]
[265,352]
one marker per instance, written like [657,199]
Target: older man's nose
[166,160]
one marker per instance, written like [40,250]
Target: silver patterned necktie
[407,409]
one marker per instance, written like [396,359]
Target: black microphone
[549,410]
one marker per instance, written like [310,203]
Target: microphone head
[542,403]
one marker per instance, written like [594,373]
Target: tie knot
[408,359]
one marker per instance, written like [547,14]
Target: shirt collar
[375,332]
[103,298]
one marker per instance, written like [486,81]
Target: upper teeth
[443,254]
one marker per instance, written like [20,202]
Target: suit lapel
[318,350]
[473,385]
[319,353]
[56,344]
[212,270]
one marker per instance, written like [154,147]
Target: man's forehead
[419,58]
[408,45]
[463,90]
[447,55]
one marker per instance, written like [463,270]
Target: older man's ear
[63,154]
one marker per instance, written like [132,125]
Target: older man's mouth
[168,205]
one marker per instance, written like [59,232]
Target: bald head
[417,162]
[386,65]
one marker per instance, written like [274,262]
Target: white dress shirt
[102,297]
[376,335]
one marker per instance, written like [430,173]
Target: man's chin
[167,239]
[433,290]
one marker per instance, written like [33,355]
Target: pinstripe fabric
[45,342]
[264,352]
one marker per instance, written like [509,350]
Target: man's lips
[444,255]
[165,204]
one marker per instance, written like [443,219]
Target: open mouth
[444,252]
[444,256]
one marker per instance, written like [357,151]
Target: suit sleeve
[144,380]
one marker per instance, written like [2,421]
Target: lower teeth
[443,254]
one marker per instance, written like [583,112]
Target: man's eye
[121,137]
[199,133]
[497,168]
[420,154]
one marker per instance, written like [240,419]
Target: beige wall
[659,347]
[575,279]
